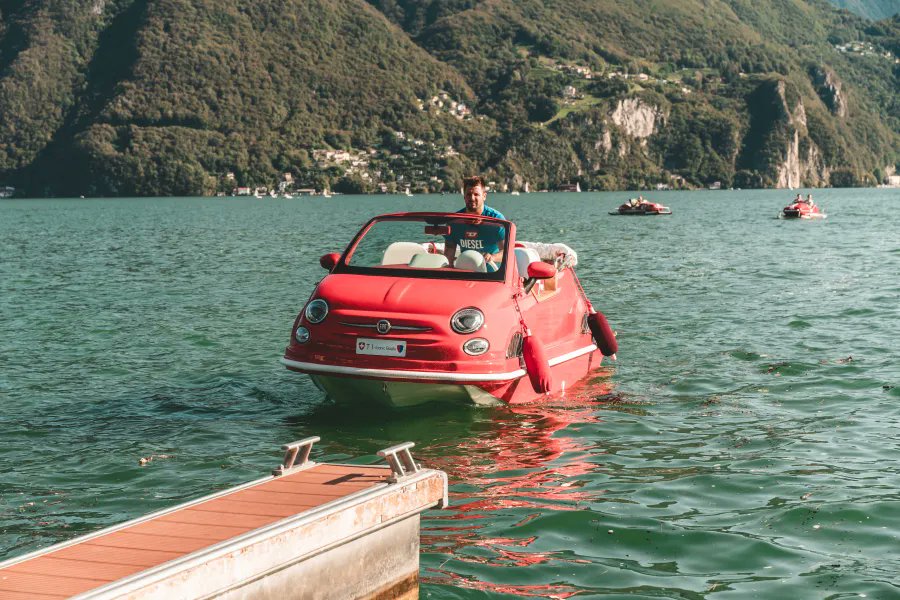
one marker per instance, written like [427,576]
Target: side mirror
[541,270]
[328,261]
[437,230]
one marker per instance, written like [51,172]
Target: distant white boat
[408,193]
[287,195]
[514,193]
[326,193]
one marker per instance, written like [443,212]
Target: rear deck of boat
[323,530]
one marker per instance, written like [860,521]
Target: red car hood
[409,295]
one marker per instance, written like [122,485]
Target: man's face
[475,196]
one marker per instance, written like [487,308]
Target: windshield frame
[342,265]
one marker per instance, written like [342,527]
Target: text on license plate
[380,347]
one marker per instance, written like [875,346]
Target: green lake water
[744,445]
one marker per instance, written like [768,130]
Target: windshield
[409,246]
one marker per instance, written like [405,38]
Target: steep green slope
[45,48]
[169,97]
[178,92]
[870,9]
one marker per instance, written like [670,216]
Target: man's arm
[450,251]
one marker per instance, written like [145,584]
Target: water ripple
[742,445]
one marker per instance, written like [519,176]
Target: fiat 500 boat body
[394,323]
[642,207]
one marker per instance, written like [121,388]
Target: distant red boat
[394,323]
[802,209]
[639,206]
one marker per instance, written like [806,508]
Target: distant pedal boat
[641,207]
[802,210]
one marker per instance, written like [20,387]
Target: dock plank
[13,595]
[328,482]
[46,584]
[90,553]
[126,539]
[215,532]
[307,497]
[192,516]
[225,507]
[73,568]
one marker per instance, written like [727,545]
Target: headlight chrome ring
[467,320]
[316,311]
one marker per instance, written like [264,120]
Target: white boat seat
[469,260]
[524,257]
[428,261]
[400,253]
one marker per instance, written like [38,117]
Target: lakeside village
[406,165]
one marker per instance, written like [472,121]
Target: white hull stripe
[426,375]
[573,354]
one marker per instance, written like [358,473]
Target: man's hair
[473,181]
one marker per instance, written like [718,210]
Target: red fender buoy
[536,364]
[603,334]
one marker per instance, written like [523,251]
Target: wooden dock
[308,531]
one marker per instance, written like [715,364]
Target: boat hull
[399,394]
[797,215]
[640,213]
[398,390]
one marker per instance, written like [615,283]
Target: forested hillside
[131,97]
[871,9]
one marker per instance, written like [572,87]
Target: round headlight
[476,346]
[316,311]
[301,335]
[467,320]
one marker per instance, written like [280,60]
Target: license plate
[380,347]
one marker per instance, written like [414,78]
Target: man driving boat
[483,239]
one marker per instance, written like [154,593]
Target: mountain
[131,97]
[870,9]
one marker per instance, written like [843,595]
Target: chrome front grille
[372,326]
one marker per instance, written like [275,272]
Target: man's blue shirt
[481,238]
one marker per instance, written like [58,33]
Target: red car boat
[639,206]
[394,323]
[802,209]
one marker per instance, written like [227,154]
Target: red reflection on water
[526,591]
[514,463]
